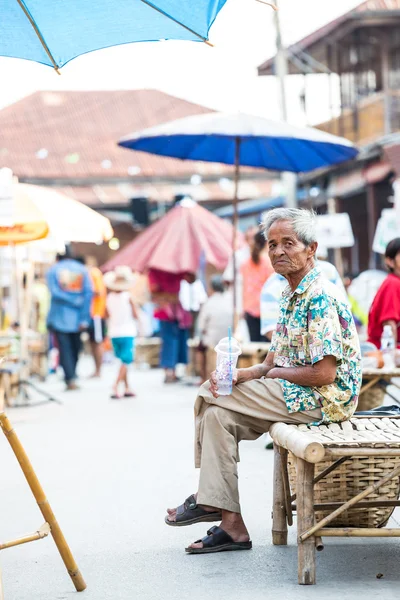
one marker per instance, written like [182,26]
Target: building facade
[360,52]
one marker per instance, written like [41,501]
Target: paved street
[110,468]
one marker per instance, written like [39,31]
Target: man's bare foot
[233,525]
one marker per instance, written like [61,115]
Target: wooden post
[286,485]
[279,523]
[235,220]
[43,503]
[387,98]
[371,221]
[305,520]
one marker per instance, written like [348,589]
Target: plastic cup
[228,352]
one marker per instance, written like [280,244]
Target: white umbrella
[67,219]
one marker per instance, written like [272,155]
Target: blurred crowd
[76,306]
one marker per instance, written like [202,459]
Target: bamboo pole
[43,503]
[279,524]
[41,533]
[358,532]
[349,452]
[300,444]
[369,490]
[235,220]
[367,504]
[319,545]
[305,520]
[286,484]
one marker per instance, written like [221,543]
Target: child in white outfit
[122,328]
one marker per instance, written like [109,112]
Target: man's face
[287,253]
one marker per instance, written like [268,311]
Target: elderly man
[311,374]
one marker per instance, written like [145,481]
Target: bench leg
[279,521]
[305,520]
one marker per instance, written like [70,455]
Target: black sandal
[217,540]
[189,512]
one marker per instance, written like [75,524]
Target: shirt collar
[304,283]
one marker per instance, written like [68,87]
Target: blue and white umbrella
[243,140]
[249,140]
[53,32]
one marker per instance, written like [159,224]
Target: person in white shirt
[192,296]
[122,314]
[216,316]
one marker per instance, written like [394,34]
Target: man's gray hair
[304,222]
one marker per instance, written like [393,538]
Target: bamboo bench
[324,473]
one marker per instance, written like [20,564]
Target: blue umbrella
[243,140]
[53,32]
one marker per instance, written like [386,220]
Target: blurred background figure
[361,292]
[241,255]
[216,316]
[41,304]
[385,309]
[254,271]
[97,328]
[175,322]
[122,325]
[71,295]
[192,296]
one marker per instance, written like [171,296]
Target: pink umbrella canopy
[177,241]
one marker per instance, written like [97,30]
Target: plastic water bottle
[388,347]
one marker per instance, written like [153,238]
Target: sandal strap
[189,504]
[215,537]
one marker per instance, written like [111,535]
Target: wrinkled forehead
[281,229]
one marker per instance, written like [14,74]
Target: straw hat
[119,280]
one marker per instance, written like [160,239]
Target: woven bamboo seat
[341,480]
[357,472]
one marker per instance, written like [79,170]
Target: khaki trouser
[221,423]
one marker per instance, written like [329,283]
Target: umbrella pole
[235,224]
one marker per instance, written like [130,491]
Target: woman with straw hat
[122,329]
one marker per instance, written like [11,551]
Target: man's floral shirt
[316,321]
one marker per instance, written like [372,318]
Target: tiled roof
[369,6]
[67,135]
[203,192]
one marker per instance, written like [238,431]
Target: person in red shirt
[175,322]
[385,308]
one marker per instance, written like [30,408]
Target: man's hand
[239,376]
[213,384]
